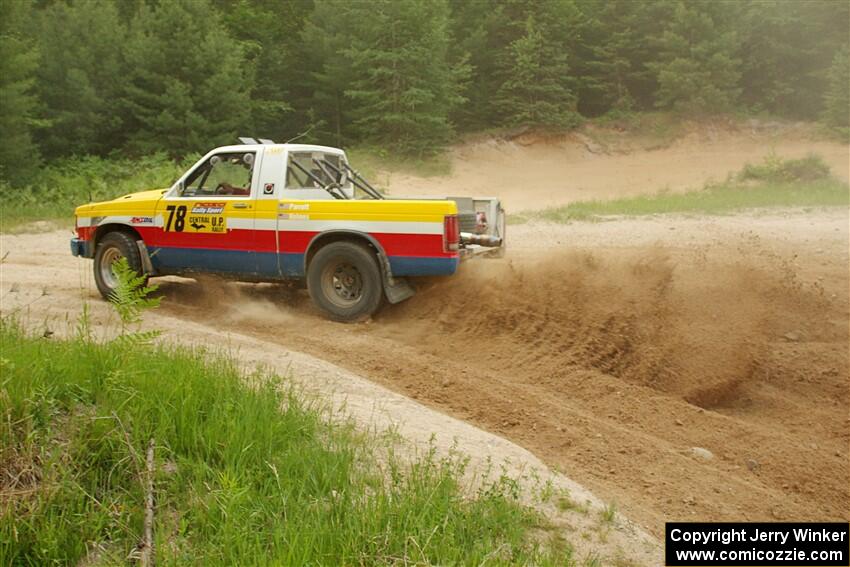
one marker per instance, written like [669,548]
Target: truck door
[269,185]
[207,223]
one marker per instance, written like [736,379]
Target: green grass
[775,183]
[608,513]
[247,470]
[60,187]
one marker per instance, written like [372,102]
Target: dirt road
[684,368]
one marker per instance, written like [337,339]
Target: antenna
[301,135]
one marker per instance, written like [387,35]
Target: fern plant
[130,298]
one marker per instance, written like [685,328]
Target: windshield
[222,174]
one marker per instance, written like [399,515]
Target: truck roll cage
[355,177]
[336,175]
[333,187]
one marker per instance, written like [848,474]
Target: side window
[221,174]
[323,169]
[296,172]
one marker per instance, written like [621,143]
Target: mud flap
[398,289]
[147,265]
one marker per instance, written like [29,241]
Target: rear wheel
[111,248]
[345,282]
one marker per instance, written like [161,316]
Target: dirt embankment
[533,172]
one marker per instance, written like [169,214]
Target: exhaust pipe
[480,239]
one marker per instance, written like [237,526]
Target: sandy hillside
[531,172]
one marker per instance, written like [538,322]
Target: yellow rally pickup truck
[261,211]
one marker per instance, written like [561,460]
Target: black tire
[110,248]
[345,282]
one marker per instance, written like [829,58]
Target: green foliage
[130,299]
[520,55]
[609,513]
[329,73]
[19,59]
[787,49]
[135,77]
[775,36]
[538,90]
[472,28]
[777,170]
[836,113]
[404,87]
[187,85]
[78,77]
[270,32]
[612,58]
[57,189]
[247,470]
[697,67]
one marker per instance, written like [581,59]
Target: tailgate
[482,226]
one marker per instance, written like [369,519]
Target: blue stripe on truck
[273,265]
[419,266]
[166,258]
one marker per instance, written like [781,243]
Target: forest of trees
[131,77]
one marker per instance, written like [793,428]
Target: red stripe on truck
[422,245]
[290,242]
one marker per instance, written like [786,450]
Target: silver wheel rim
[342,284]
[109,257]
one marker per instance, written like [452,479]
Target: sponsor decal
[208,208]
[195,221]
[268,188]
[207,223]
[141,220]
[295,206]
[293,216]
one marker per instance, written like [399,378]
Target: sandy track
[609,350]
[611,363]
[44,288]
[535,172]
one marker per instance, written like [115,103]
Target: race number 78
[179,221]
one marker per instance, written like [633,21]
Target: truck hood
[149,195]
[154,194]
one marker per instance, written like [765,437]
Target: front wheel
[345,282]
[111,248]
